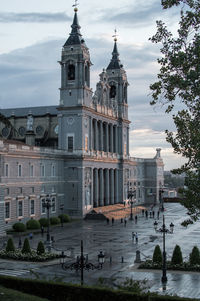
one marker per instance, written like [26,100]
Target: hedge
[33,224]
[68,292]
[19,227]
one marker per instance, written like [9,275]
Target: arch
[71,72]
[125,93]
[87,74]
[112,91]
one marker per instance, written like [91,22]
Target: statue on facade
[29,124]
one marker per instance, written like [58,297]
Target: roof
[75,37]
[35,111]
[115,61]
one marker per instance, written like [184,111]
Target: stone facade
[83,160]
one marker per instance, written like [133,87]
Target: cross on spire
[75,5]
[115,35]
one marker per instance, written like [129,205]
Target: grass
[12,295]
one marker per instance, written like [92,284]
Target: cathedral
[75,153]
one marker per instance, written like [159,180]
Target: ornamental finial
[115,35]
[75,5]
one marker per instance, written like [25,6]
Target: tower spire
[115,61]
[75,36]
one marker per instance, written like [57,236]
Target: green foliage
[10,245]
[64,217]
[54,220]
[43,222]
[134,286]
[195,256]
[32,224]
[19,227]
[157,255]
[40,248]
[26,247]
[32,257]
[10,294]
[177,257]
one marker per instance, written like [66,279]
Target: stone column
[112,186]
[95,135]
[101,188]
[101,136]
[107,138]
[116,139]
[96,187]
[116,186]
[107,188]
[111,138]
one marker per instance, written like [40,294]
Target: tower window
[112,91]
[71,72]
[70,143]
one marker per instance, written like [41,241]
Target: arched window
[71,72]
[87,75]
[125,93]
[112,91]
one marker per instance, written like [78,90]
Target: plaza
[116,242]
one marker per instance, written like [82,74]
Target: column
[96,190]
[127,140]
[116,139]
[116,186]
[111,138]
[112,186]
[107,138]
[101,188]
[101,136]
[107,190]
[95,135]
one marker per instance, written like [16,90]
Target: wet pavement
[116,241]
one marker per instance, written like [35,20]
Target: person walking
[113,220]
[125,221]
[136,237]
[158,213]
[153,212]
[143,212]
[136,219]
[42,230]
[133,236]
[107,219]
[146,214]
[20,243]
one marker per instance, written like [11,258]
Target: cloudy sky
[32,34]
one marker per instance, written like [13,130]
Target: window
[53,205]
[86,142]
[7,210]
[31,170]
[71,72]
[53,170]
[6,170]
[32,189]
[42,170]
[19,170]
[112,91]
[32,207]
[70,142]
[43,209]
[20,208]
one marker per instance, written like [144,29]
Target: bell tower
[75,69]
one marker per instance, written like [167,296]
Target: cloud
[33,17]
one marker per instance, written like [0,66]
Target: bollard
[137,258]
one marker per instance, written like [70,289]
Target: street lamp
[164,230]
[161,191]
[47,204]
[82,263]
[131,194]
[61,209]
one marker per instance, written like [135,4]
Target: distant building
[77,152]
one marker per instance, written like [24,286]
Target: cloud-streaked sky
[32,34]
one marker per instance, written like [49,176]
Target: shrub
[40,248]
[157,255]
[195,256]
[26,247]
[10,246]
[32,224]
[54,220]
[177,257]
[43,222]
[65,218]
[19,227]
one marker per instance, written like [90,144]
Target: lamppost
[164,230]
[61,209]
[82,263]
[47,204]
[131,194]
[161,191]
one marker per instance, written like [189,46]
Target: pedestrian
[146,213]
[125,221]
[150,213]
[113,220]
[133,236]
[107,219]
[136,219]
[158,214]
[142,212]
[42,230]
[20,243]
[121,220]
[153,213]
[136,237]
[30,235]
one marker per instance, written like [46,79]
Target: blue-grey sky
[32,34]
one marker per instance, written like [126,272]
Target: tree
[157,255]
[40,248]
[26,247]
[179,80]
[177,257]
[195,256]
[10,245]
